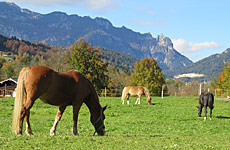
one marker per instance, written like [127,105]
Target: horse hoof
[210,118]
[19,134]
[29,132]
[52,133]
[75,134]
[204,118]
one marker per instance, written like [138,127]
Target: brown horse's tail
[19,99]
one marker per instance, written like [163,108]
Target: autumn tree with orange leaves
[224,77]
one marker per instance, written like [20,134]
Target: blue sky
[198,28]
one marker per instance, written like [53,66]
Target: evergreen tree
[87,60]
[147,73]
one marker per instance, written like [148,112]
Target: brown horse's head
[149,100]
[99,123]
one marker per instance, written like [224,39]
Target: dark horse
[206,100]
[59,89]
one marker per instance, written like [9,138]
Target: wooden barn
[7,87]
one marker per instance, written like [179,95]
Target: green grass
[171,123]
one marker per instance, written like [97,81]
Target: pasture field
[169,123]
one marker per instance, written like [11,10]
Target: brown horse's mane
[93,94]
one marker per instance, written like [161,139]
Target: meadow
[169,123]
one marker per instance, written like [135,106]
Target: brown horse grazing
[135,90]
[59,89]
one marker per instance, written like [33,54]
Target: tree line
[86,59]
[92,63]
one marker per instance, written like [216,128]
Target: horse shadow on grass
[154,103]
[222,117]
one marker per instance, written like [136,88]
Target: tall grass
[169,123]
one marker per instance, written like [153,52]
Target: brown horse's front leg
[57,119]
[76,109]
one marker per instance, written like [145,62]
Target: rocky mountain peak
[164,41]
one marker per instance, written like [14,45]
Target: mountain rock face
[58,28]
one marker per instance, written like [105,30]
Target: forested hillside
[118,59]
[210,66]
[20,47]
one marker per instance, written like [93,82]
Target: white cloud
[182,45]
[91,4]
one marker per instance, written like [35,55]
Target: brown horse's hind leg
[25,113]
[76,109]
[28,127]
[57,119]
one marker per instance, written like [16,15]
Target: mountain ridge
[209,66]
[58,28]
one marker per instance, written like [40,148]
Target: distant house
[7,87]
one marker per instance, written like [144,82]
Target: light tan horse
[135,90]
[59,89]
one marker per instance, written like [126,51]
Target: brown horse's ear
[104,108]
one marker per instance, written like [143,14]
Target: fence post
[227,94]
[200,88]
[215,92]
[5,90]
[162,91]
[105,92]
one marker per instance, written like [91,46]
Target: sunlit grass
[169,123]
